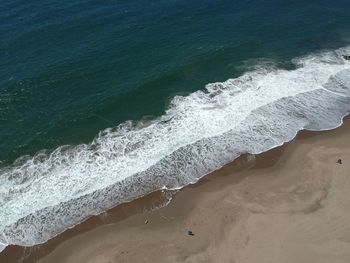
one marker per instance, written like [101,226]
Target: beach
[181,131]
[290,204]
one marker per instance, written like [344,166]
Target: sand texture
[291,205]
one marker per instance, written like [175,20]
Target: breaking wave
[44,195]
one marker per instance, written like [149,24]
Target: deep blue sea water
[71,69]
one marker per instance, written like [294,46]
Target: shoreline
[142,207]
[172,155]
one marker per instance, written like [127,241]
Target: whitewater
[43,195]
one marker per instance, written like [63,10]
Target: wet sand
[291,204]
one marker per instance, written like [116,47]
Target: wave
[44,195]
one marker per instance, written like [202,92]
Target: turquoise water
[105,101]
[69,69]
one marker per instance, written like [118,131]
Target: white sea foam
[2,247]
[42,196]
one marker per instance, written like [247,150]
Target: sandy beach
[291,204]
[174,131]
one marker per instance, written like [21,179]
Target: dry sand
[292,205]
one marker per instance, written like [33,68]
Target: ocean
[102,102]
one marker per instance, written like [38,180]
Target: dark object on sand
[346,57]
[190,233]
[339,161]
